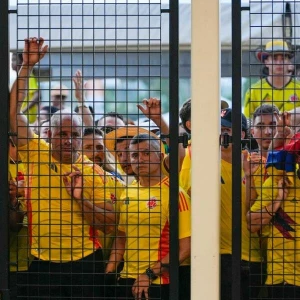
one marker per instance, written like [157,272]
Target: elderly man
[278,88]
[143,238]
[66,202]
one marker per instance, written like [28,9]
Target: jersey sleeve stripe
[183,202]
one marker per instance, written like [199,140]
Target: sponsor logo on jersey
[126,200]
[152,203]
[294,98]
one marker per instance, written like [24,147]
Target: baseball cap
[276,46]
[226,119]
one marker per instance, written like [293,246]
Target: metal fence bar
[236,149]
[205,81]
[174,180]
[4,129]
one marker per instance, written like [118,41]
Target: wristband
[149,272]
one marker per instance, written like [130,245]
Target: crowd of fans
[270,183]
[89,199]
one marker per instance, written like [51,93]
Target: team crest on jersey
[152,203]
[267,98]
[244,180]
[126,200]
[294,98]
[113,198]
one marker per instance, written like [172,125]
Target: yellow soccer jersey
[185,172]
[32,88]
[114,187]
[283,253]
[262,92]
[18,241]
[144,218]
[248,241]
[57,230]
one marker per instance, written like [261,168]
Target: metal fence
[51,236]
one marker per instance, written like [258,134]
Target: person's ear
[243,134]
[188,124]
[251,131]
[49,133]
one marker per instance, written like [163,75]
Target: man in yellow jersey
[143,238]
[66,200]
[94,149]
[278,88]
[31,102]
[251,258]
[185,171]
[18,236]
[277,209]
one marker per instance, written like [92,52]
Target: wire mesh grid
[89,161]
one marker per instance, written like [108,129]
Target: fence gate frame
[173,12]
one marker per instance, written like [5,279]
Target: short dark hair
[185,114]
[122,139]
[92,130]
[265,109]
[50,109]
[90,108]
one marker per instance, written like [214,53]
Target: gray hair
[60,115]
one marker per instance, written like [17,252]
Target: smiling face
[66,139]
[264,129]
[93,148]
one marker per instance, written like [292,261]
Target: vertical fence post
[174,178]
[4,128]
[236,148]
[205,66]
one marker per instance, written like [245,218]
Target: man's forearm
[184,253]
[100,216]
[262,217]
[117,252]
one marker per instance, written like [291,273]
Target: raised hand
[283,124]
[151,108]
[77,79]
[34,51]
[251,162]
[74,183]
